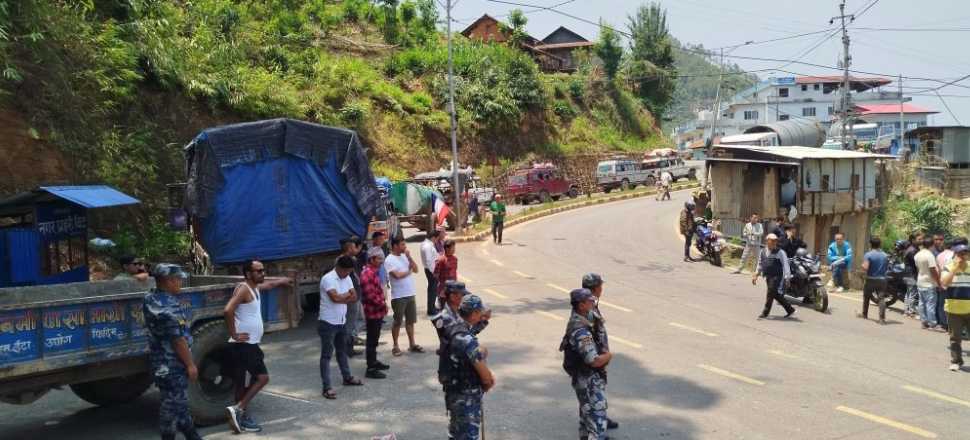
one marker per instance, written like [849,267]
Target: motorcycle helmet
[901,245]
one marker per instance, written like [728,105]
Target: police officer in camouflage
[169,340]
[594,282]
[586,365]
[448,315]
[465,376]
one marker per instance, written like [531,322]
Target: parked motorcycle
[709,241]
[806,280]
[895,283]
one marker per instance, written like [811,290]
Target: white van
[623,174]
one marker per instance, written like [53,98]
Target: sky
[937,54]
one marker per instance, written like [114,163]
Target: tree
[391,32]
[609,50]
[652,58]
[517,22]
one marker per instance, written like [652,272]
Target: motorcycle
[806,280]
[709,241]
[895,282]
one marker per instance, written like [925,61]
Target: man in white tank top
[244,320]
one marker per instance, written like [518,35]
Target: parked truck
[91,337]
[282,191]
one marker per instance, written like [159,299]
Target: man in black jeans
[875,263]
[773,264]
[687,228]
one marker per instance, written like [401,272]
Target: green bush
[564,110]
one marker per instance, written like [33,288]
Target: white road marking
[550,315]
[494,293]
[522,274]
[783,354]
[497,263]
[624,341]
[888,422]
[936,395]
[731,375]
[277,421]
[620,308]
[465,279]
[692,329]
[850,298]
[289,397]
[559,288]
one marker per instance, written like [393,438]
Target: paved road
[691,362]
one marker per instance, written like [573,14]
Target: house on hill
[552,54]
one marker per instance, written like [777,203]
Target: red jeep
[541,182]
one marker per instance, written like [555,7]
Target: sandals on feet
[353,381]
[397,352]
[416,349]
[329,394]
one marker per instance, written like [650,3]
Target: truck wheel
[573,192]
[113,391]
[213,392]
[607,189]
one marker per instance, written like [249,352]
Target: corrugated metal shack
[943,158]
[820,191]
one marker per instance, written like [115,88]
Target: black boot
[191,434]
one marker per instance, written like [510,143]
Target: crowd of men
[936,275]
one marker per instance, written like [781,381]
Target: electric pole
[846,61]
[456,184]
[902,129]
[717,99]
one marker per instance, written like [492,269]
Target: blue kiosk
[44,233]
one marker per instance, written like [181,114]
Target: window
[855,182]
[825,183]
[804,87]
[750,115]
[783,92]
[782,117]
[831,111]
[62,256]
[815,87]
[808,111]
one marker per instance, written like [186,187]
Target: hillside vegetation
[112,89]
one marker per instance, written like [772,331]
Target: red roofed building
[553,53]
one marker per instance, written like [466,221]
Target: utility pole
[456,184]
[902,129]
[717,99]
[846,61]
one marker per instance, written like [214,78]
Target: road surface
[691,359]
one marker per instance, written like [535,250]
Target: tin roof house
[555,53]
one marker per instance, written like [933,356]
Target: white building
[816,98]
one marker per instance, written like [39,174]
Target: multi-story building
[815,98]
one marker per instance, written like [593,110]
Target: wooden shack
[821,191]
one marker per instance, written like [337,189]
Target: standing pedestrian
[956,280]
[375,309]
[773,265]
[791,242]
[840,260]
[497,209]
[942,261]
[778,226]
[938,244]
[927,283]
[170,355]
[875,263]
[429,257]
[466,376]
[350,247]
[244,322]
[445,269]
[400,267]
[909,258]
[752,234]
[473,208]
[687,228]
[594,282]
[585,362]
[336,291]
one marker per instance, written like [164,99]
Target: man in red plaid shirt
[445,269]
[375,309]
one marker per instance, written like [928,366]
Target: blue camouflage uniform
[166,321]
[463,392]
[599,331]
[588,383]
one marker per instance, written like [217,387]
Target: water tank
[794,132]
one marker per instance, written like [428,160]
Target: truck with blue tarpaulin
[281,191]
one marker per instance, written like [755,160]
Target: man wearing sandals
[401,269]
[336,291]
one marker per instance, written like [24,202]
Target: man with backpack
[586,365]
[463,372]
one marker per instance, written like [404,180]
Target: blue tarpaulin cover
[278,189]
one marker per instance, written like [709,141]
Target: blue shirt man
[875,263]
[169,342]
[840,260]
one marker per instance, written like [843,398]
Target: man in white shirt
[429,256]
[400,267]
[666,179]
[927,281]
[753,231]
[336,291]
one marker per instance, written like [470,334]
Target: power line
[857,14]
[772,40]
[948,108]
[872,29]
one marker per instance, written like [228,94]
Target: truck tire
[625,185]
[113,391]
[213,392]
[573,192]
